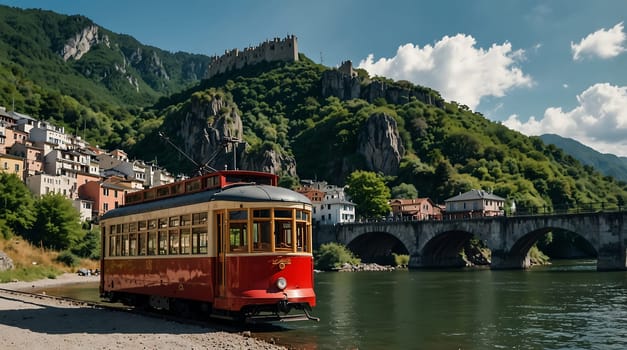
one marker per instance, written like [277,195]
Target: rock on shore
[346,267]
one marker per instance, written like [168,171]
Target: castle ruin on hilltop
[277,49]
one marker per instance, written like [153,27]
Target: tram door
[221,263]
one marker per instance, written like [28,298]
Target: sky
[538,67]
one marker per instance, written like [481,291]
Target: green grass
[28,274]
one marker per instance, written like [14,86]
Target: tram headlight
[281,283]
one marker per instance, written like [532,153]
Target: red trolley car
[229,242]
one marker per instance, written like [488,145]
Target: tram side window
[152,224]
[199,240]
[112,240]
[301,237]
[238,237]
[132,244]
[199,218]
[118,245]
[125,245]
[141,244]
[174,242]
[111,245]
[174,221]
[163,242]
[186,243]
[152,243]
[283,235]
[142,225]
[262,236]
[185,219]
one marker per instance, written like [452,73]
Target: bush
[333,255]
[67,258]
[401,259]
[30,273]
[537,257]
[5,231]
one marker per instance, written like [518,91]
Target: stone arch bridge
[438,243]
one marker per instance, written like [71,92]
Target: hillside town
[49,160]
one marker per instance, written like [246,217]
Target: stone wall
[277,49]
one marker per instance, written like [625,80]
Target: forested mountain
[298,119]
[607,164]
[69,70]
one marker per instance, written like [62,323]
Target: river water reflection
[567,305]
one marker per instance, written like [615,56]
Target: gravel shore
[30,322]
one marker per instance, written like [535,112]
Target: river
[567,305]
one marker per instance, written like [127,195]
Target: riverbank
[32,322]
[63,279]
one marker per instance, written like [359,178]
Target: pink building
[106,195]
[415,209]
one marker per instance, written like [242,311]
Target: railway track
[249,330]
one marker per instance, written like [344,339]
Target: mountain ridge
[607,163]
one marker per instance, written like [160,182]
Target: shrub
[332,255]
[67,258]
[401,259]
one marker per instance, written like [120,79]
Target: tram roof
[244,193]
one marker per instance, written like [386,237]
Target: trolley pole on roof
[232,140]
[200,167]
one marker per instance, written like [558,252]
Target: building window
[105,206]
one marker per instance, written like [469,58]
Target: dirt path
[30,322]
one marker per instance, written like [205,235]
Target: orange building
[33,157]
[12,164]
[315,195]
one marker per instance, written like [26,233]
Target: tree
[89,246]
[405,191]
[17,208]
[58,223]
[369,193]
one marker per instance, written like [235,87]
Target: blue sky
[537,66]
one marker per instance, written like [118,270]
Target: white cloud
[455,67]
[602,43]
[600,120]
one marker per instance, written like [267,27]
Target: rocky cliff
[344,84]
[212,134]
[82,42]
[118,60]
[380,144]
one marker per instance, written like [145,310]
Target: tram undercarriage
[282,311]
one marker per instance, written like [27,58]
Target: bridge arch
[442,250]
[377,247]
[520,249]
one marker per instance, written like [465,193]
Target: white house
[474,203]
[42,184]
[335,208]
